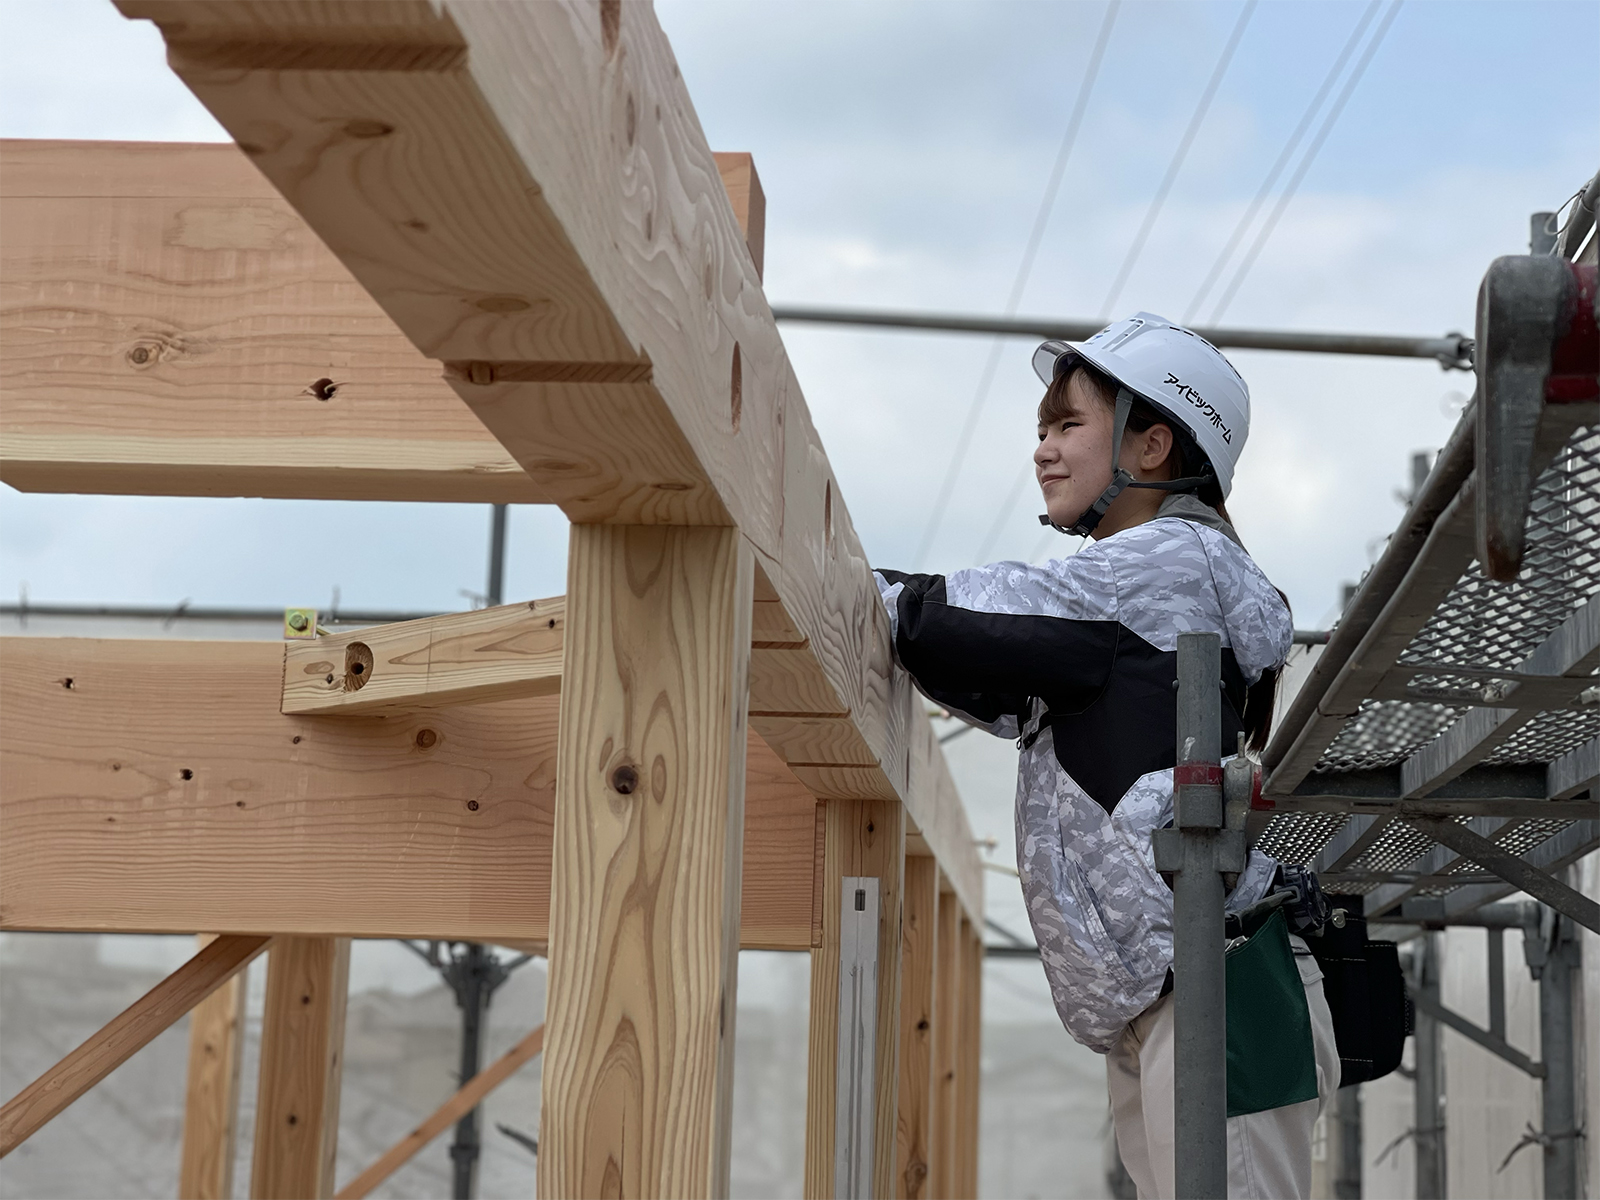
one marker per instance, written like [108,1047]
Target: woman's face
[1073,461]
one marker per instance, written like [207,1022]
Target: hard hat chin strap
[1089,519]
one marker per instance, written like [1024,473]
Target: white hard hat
[1175,370]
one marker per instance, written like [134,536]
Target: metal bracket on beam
[854,1106]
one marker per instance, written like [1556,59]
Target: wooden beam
[167,314]
[918,1020]
[302,1061]
[503,653]
[969,1067]
[123,1036]
[942,1181]
[467,1097]
[515,650]
[749,200]
[525,189]
[211,1099]
[154,787]
[644,912]
[864,837]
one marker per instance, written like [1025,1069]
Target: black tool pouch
[1366,994]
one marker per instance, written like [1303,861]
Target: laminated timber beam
[168,316]
[525,190]
[154,787]
[514,651]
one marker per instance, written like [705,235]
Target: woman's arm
[985,641]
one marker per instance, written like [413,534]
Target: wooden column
[211,1100]
[946,1049]
[969,1067]
[644,906]
[861,837]
[302,1059]
[918,973]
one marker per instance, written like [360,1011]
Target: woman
[1140,429]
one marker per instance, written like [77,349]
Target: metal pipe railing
[1453,351]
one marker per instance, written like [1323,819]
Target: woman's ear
[1157,447]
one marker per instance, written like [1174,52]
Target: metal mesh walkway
[1452,694]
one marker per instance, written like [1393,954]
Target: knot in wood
[625,779]
[426,739]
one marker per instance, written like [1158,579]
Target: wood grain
[749,200]
[943,1179]
[644,906]
[918,1020]
[574,215]
[211,1097]
[466,1098]
[357,826]
[863,837]
[165,312]
[123,1036]
[302,1062]
[511,651]
[969,1063]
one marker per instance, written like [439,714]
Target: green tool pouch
[1271,1059]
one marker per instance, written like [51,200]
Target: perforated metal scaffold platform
[1444,693]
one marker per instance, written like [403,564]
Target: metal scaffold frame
[1444,751]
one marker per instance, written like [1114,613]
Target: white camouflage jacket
[1077,659]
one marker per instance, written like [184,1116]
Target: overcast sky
[905,148]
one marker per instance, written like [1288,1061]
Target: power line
[1289,148]
[1046,205]
[1176,165]
[1305,163]
[1326,128]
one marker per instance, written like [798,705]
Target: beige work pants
[1269,1153]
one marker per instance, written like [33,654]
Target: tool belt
[1366,991]
[1271,1057]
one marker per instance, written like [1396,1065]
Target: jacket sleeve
[985,642]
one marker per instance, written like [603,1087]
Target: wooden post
[918,972]
[302,1057]
[211,1100]
[861,837]
[644,907]
[946,1029]
[969,1066]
